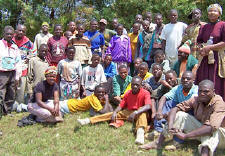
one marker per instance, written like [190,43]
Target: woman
[214,32]
[44,103]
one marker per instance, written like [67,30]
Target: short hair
[8,27]
[93,20]
[71,22]
[121,67]
[138,15]
[207,82]
[119,25]
[146,21]
[159,51]
[95,55]
[171,72]
[157,64]
[145,64]
[20,25]
[43,45]
[70,47]
[173,10]
[57,25]
[108,55]
[81,25]
[138,58]
[101,85]
[158,14]
[137,77]
[136,23]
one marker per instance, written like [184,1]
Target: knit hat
[185,47]
[45,23]
[51,70]
[216,6]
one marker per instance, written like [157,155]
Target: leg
[141,127]
[10,91]
[20,93]
[4,78]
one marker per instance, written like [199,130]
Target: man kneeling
[133,107]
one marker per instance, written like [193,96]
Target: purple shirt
[120,49]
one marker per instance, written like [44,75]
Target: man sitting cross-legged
[133,107]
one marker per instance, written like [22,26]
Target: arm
[166,84]
[30,77]
[107,107]
[153,108]
[129,53]
[163,45]
[159,114]
[115,112]
[116,87]
[56,102]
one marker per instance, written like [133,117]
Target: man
[10,70]
[72,28]
[148,17]
[207,125]
[27,51]
[115,24]
[176,95]
[133,108]
[43,36]
[139,20]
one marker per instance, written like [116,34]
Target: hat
[216,6]
[185,47]
[51,70]
[45,23]
[103,21]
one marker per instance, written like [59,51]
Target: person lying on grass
[133,108]
[98,102]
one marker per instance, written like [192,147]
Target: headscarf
[51,70]
[217,6]
[45,23]
[185,47]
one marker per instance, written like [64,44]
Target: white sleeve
[83,77]
[103,78]
[163,34]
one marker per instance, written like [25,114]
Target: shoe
[83,121]
[117,123]
[173,147]
[1,133]
[140,139]
[152,135]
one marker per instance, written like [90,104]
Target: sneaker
[175,145]
[140,139]
[83,121]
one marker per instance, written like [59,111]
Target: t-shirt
[135,101]
[91,77]
[97,42]
[133,43]
[84,104]
[173,33]
[46,90]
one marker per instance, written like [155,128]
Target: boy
[137,62]
[68,35]
[70,72]
[92,76]
[109,67]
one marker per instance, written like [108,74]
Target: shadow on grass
[49,125]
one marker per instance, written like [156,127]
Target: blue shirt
[110,70]
[176,93]
[97,42]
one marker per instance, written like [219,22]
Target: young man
[172,36]
[11,70]
[92,76]
[68,35]
[139,20]
[82,45]
[72,28]
[148,17]
[133,108]
[43,36]
[109,67]
[115,23]
[137,62]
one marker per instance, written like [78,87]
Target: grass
[68,138]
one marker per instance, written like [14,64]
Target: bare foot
[151,145]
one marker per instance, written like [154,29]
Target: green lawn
[68,138]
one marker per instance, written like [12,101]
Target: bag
[93,37]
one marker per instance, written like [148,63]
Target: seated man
[133,107]
[109,67]
[137,62]
[97,102]
[207,125]
[176,95]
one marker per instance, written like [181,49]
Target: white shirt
[41,39]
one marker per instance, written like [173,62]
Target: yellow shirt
[133,43]
[84,104]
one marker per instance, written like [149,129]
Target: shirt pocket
[8,63]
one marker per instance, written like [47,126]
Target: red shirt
[135,101]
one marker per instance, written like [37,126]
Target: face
[70,54]
[99,93]
[8,35]
[148,17]
[196,15]
[187,80]
[145,25]
[157,71]
[20,31]
[42,51]
[213,14]
[136,28]
[72,26]
[44,28]
[80,30]
[95,60]
[173,17]
[159,58]
[158,20]
[205,93]
[135,85]
[171,79]
[50,78]
[119,30]
[137,63]
[115,23]
[108,60]
[102,26]
[94,25]
[182,56]
[142,70]
[68,34]
[138,19]
[123,73]
[58,31]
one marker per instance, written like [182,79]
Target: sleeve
[187,105]
[124,31]
[86,34]
[111,45]
[59,67]
[89,51]
[18,65]
[102,40]
[200,35]
[123,103]
[163,34]
[39,87]
[147,98]
[56,87]
[223,32]
[30,76]
[116,87]
[138,48]
[83,77]
[129,53]
[103,78]
[80,70]
[166,66]
[126,90]
[184,27]
[95,103]
[32,50]
[48,55]
[36,42]
[171,94]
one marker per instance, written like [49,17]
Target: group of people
[170,76]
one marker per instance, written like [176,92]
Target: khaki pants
[141,120]
[20,92]
[188,123]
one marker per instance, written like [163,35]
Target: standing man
[10,70]
[43,36]
[115,24]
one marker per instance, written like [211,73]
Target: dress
[210,71]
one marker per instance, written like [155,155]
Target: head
[148,16]
[187,80]
[80,29]
[95,60]
[107,60]
[136,28]
[158,19]
[50,75]
[58,30]
[119,29]
[44,27]
[195,15]
[143,69]
[182,56]
[8,33]
[137,62]
[173,16]
[70,52]
[42,51]
[20,31]
[72,26]
[93,25]
[102,24]
[205,91]
[159,56]
[138,18]
[136,84]
[115,23]
[184,51]
[68,34]
[100,92]
[157,70]
[214,12]
[123,71]
[146,25]
[171,78]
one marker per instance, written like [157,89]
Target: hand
[132,116]
[205,50]
[146,87]
[117,98]
[180,135]
[106,97]
[114,116]
[153,115]
[27,61]
[56,111]
[159,115]
[84,93]
[52,111]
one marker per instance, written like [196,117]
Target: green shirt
[120,85]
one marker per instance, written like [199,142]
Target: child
[120,48]
[82,45]
[68,35]
[109,67]
[137,62]
[70,72]
[92,76]
[159,58]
